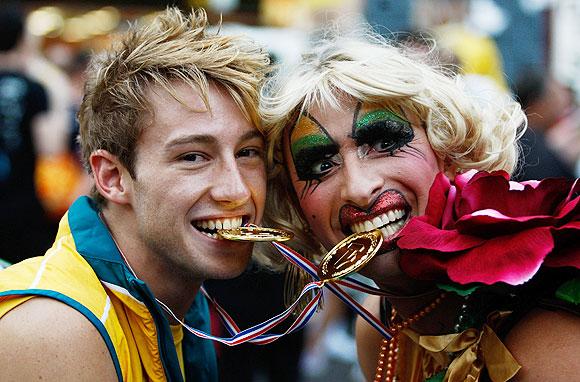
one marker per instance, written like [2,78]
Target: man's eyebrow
[251,134]
[188,139]
[208,139]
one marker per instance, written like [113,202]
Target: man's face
[196,172]
[359,168]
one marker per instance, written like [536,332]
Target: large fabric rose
[484,228]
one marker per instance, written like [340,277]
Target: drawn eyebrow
[377,115]
[254,133]
[315,137]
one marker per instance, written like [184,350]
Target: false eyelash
[383,129]
[307,157]
[413,151]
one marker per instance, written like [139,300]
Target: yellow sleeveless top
[99,285]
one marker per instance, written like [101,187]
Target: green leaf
[570,291]
[462,290]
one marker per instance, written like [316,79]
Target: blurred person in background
[476,53]
[59,177]
[169,131]
[545,102]
[26,134]
[563,136]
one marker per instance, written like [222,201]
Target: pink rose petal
[419,234]
[512,259]
[422,265]
[438,196]
[484,228]
[567,239]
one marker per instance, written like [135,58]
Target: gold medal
[350,255]
[255,233]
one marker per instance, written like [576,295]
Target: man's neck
[173,287]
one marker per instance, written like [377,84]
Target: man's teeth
[206,226]
[388,223]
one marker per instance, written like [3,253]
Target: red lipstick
[388,200]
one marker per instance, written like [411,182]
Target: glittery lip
[388,200]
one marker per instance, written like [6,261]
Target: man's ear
[112,179]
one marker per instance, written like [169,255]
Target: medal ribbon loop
[258,334]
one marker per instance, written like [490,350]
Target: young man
[168,132]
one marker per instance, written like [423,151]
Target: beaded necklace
[388,350]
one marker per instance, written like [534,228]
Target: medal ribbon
[258,334]
[334,286]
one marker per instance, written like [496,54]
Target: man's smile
[209,227]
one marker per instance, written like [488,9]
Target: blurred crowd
[41,174]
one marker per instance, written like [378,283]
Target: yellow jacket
[84,270]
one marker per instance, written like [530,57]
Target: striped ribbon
[258,334]
[335,287]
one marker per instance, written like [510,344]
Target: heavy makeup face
[359,168]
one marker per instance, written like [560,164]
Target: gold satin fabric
[471,351]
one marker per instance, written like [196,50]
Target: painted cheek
[318,210]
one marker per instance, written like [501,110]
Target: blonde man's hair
[464,133]
[174,48]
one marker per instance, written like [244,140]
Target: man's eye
[322,167]
[193,157]
[250,152]
[385,145]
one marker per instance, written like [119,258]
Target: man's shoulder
[547,344]
[54,341]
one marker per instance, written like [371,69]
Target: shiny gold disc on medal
[255,233]
[350,255]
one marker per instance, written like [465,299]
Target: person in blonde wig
[169,131]
[357,132]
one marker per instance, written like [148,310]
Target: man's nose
[229,186]
[361,183]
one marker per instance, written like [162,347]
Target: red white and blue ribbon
[334,286]
[259,334]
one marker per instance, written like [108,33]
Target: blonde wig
[463,132]
[174,48]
